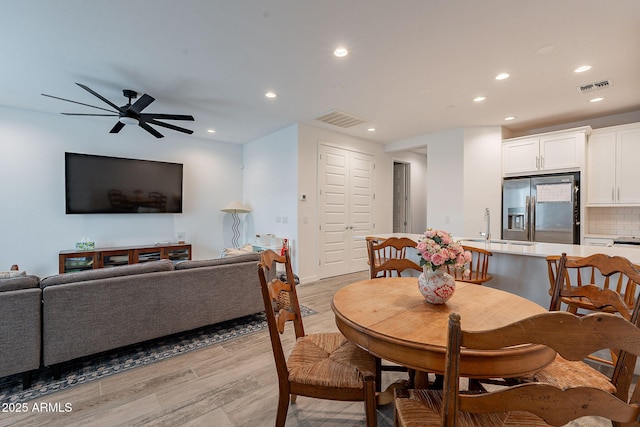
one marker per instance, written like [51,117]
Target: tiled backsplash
[623,221]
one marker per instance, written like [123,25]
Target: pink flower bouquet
[437,249]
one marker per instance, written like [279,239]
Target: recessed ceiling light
[596,99]
[371,129]
[211,130]
[479,98]
[270,95]
[509,118]
[502,76]
[341,52]
[582,69]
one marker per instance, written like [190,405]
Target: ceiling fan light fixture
[128,120]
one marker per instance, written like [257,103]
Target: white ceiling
[414,66]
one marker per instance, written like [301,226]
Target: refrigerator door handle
[533,218]
[527,220]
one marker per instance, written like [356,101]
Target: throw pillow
[228,252]
[12,273]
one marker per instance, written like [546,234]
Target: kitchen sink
[501,242]
[511,242]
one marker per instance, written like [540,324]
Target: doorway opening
[401,197]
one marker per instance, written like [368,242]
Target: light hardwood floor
[232,384]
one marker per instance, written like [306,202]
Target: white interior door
[346,209]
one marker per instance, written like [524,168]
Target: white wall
[464,176]
[270,186]
[444,177]
[445,203]
[482,180]
[34,226]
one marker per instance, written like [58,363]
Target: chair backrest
[389,255]
[280,303]
[478,266]
[599,283]
[573,337]
[584,276]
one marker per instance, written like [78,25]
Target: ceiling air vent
[603,84]
[341,119]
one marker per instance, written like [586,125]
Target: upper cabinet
[544,153]
[612,161]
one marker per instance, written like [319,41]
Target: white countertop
[536,249]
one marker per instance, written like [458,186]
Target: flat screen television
[101,184]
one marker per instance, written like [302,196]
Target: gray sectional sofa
[20,320]
[97,310]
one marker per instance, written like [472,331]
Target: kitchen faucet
[487,219]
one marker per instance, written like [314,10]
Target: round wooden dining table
[390,319]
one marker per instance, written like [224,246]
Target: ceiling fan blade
[96,94]
[151,116]
[88,114]
[75,102]
[169,126]
[141,103]
[118,126]
[149,129]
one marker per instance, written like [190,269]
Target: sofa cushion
[249,257]
[20,282]
[103,273]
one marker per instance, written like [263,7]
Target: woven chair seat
[329,360]
[417,408]
[565,373]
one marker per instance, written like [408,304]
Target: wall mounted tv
[101,184]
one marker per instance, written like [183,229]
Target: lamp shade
[235,207]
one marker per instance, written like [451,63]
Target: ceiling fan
[131,114]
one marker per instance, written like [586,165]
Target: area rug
[98,366]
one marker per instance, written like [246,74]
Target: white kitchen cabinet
[601,168]
[544,153]
[613,175]
[521,157]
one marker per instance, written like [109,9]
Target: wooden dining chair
[597,283]
[386,257]
[478,267]
[615,273]
[323,365]
[389,256]
[528,404]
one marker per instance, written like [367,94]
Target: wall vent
[603,84]
[341,119]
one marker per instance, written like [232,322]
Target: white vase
[436,286]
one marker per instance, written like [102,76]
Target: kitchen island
[521,267]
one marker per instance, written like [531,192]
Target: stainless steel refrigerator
[542,208]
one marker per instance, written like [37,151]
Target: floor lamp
[234,208]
